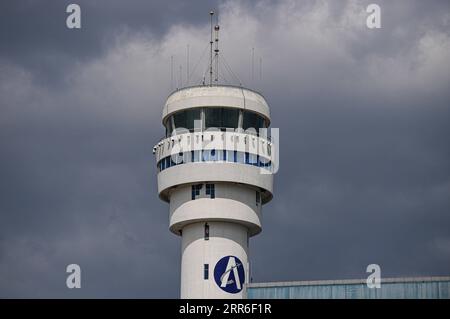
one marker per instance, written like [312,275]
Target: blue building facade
[391,288]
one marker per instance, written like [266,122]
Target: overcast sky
[364,118]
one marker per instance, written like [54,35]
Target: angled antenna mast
[253,65]
[260,68]
[187,65]
[216,54]
[181,78]
[211,13]
[171,72]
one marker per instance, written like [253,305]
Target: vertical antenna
[181,78]
[216,53]
[260,68]
[171,72]
[253,65]
[187,66]
[211,13]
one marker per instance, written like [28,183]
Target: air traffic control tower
[215,169]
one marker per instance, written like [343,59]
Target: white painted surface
[232,203]
[209,140]
[214,172]
[225,239]
[220,96]
[233,215]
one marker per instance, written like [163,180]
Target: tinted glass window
[205,271]
[230,118]
[206,231]
[169,126]
[221,117]
[240,157]
[253,120]
[180,119]
[191,116]
[230,156]
[249,120]
[185,119]
[211,156]
[213,117]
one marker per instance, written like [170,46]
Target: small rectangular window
[187,158]
[240,157]
[196,156]
[210,190]
[195,190]
[258,198]
[206,271]
[213,155]
[172,161]
[230,156]
[251,159]
[224,155]
[209,155]
[206,231]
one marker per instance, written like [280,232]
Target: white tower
[215,169]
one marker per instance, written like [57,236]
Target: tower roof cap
[216,96]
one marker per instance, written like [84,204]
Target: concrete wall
[233,203]
[192,173]
[221,95]
[215,266]
[225,239]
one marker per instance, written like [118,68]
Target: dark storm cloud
[364,125]
[33,33]
[29,27]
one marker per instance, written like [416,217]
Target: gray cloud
[363,117]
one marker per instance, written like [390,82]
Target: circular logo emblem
[229,274]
